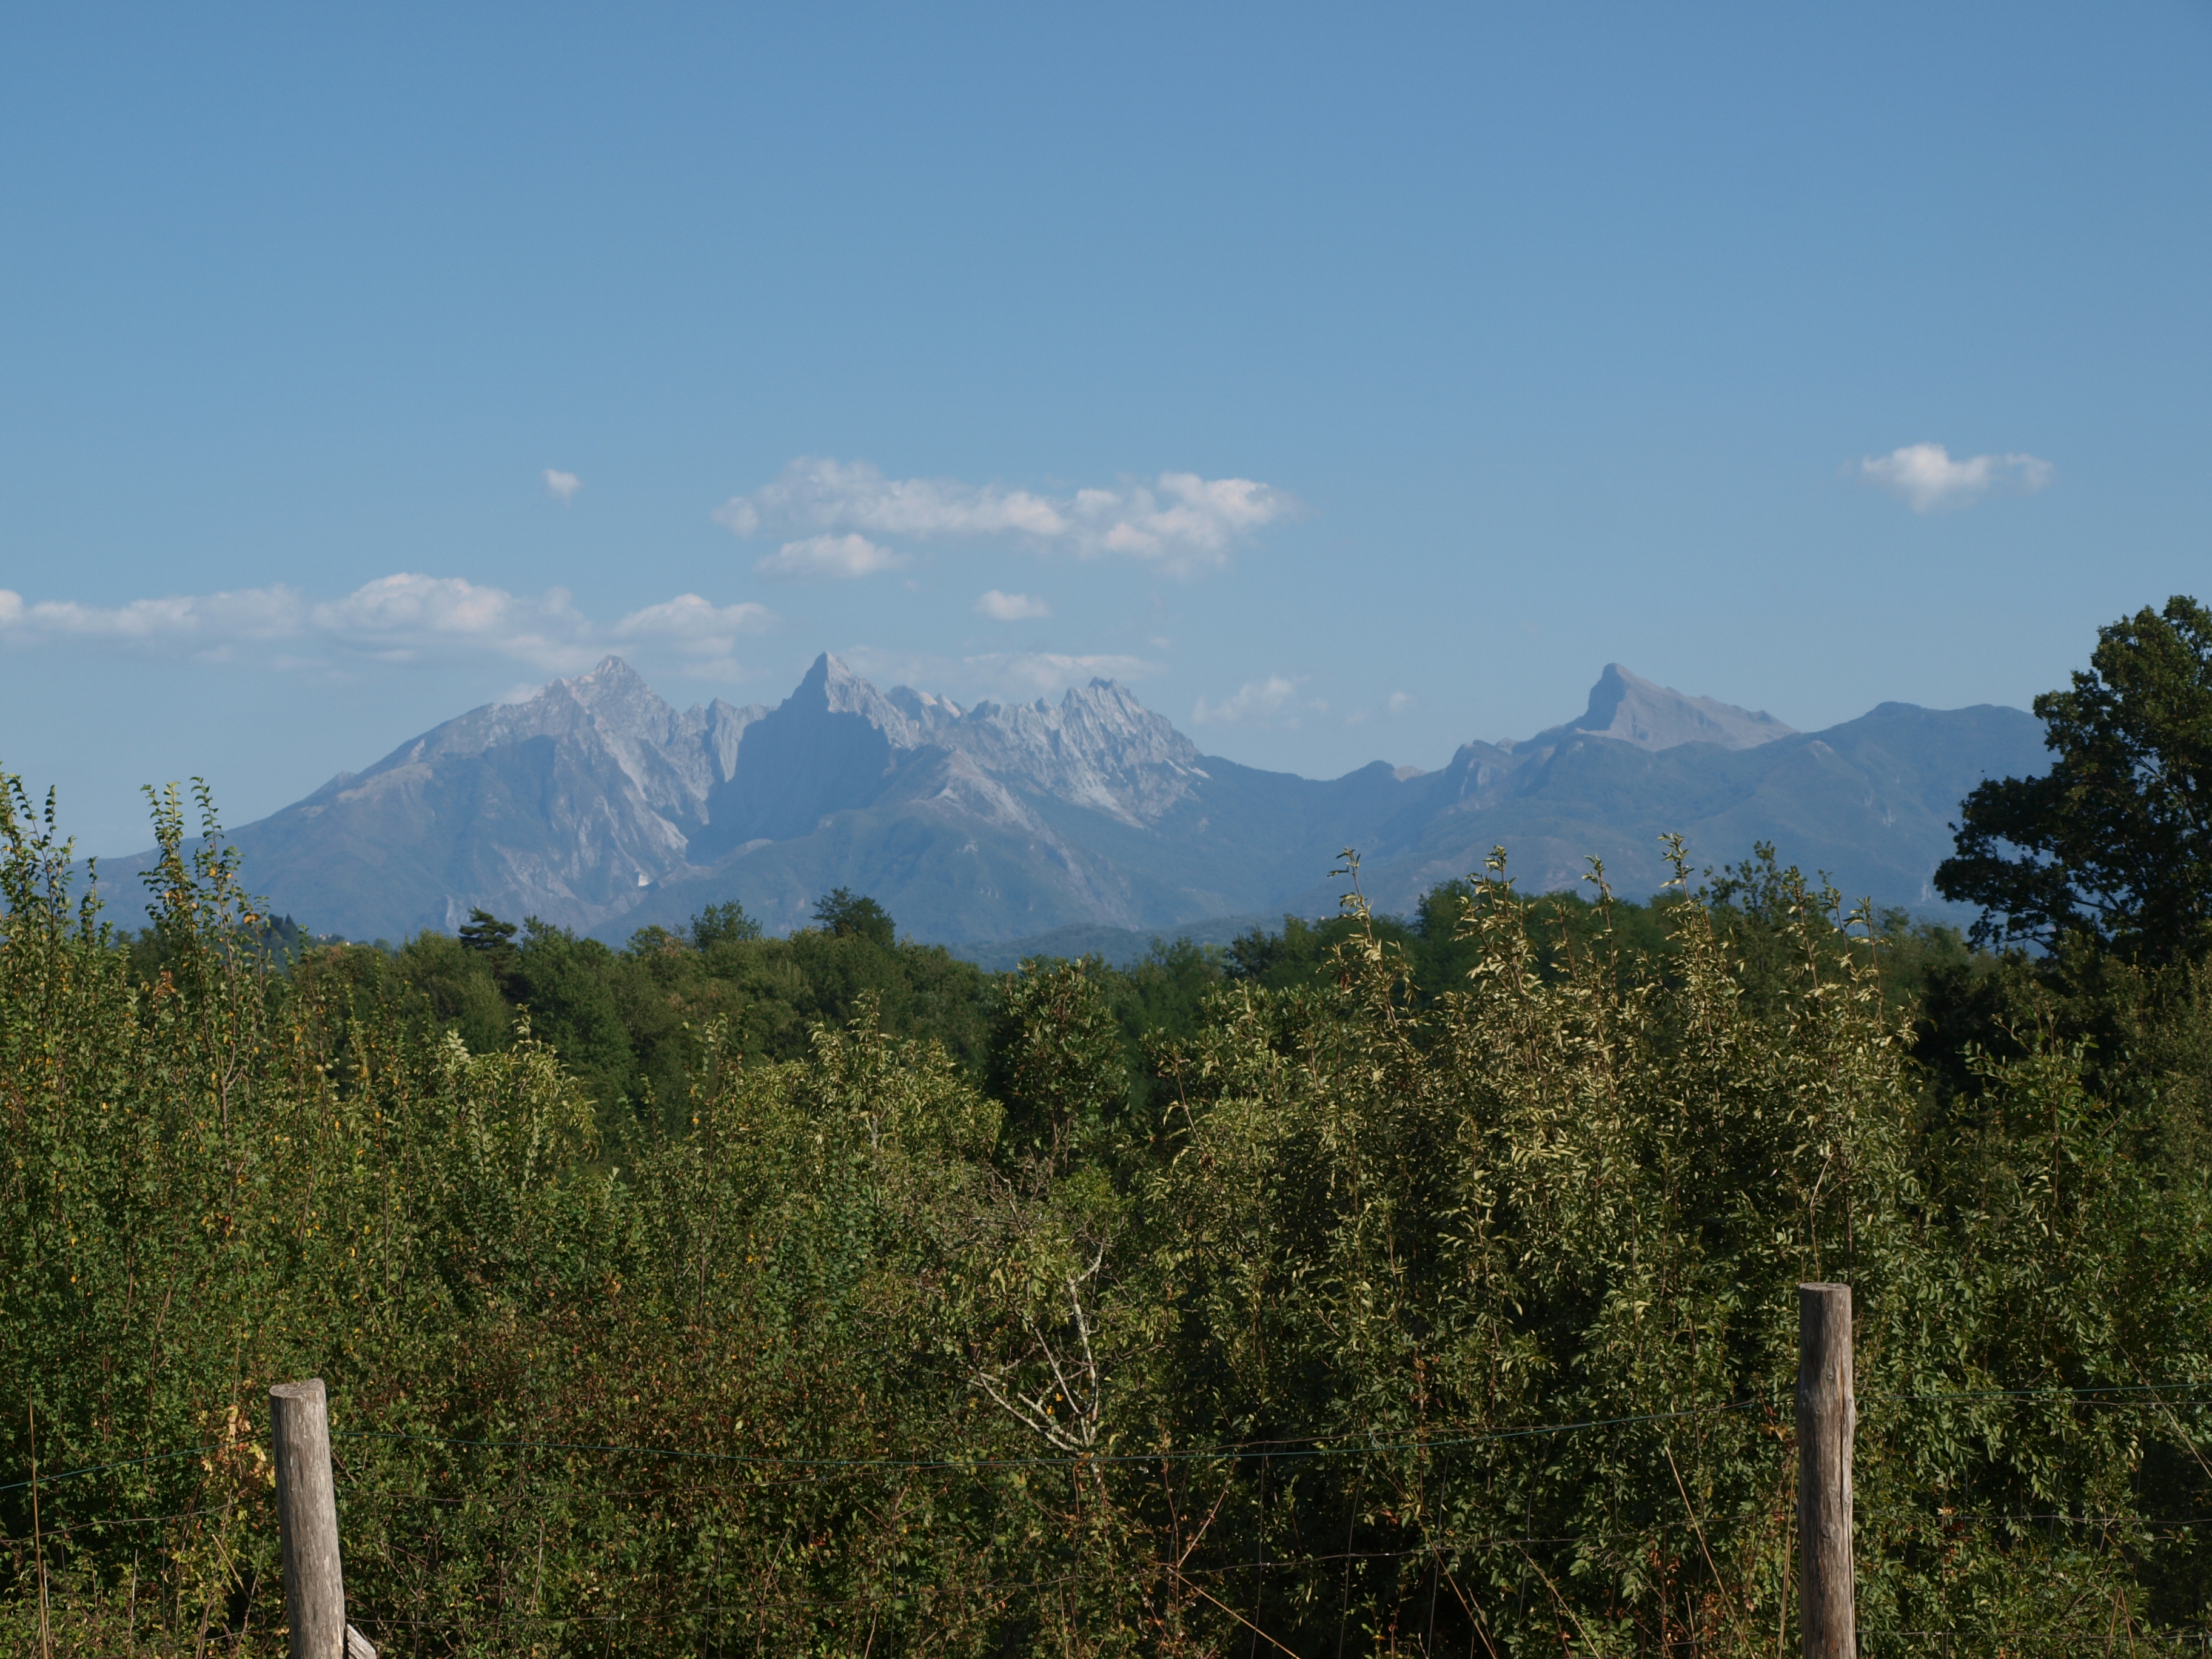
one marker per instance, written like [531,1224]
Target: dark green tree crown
[2111,844]
[486,932]
[717,922]
[844,914]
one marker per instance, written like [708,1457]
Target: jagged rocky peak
[927,712]
[609,718]
[611,694]
[721,728]
[613,680]
[1098,748]
[830,687]
[1102,720]
[1630,708]
[614,695]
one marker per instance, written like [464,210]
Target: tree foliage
[843,913]
[2114,843]
[1387,1315]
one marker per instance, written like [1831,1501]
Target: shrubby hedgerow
[1351,1313]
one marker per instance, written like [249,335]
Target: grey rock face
[668,761]
[567,805]
[1100,749]
[1630,708]
[826,748]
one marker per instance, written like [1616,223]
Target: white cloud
[818,493]
[838,557]
[405,615]
[704,635]
[691,621]
[252,613]
[1925,477]
[1012,607]
[1399,702]
[561,486]
[1255,701]
[397,618]
[1180,520]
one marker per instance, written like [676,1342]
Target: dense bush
[1210,1308]
[628,1025]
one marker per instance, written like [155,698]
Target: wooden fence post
[1827,1415]
[307,1522]
[37,1543]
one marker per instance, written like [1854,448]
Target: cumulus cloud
[561,486]
[1012,607]
[835,557]
[1926,477]
[252,613]
[692,620]
[705,635]
[1399,702]
[1254,701]
[399,618]
[1179,520]
[403,615]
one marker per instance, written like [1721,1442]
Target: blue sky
[1351,381]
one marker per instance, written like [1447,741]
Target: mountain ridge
[597,805]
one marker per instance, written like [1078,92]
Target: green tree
[1056,1060]
[2111,844]
[567,985]
[486,932]
[843,913]
[493,940]
[720,921]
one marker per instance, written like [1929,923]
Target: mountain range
[597,805]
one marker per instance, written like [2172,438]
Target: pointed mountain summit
[826,748]
[1630,708]
[595,805]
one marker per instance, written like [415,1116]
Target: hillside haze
[596,805]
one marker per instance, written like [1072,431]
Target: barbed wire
[1286,1447]
[68,1526]
[771,1598]
[125,1463]
[1442,1545]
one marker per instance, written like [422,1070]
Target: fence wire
[397,1546]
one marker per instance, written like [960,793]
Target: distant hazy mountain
[597,805]
[1632,709]
[1869,802]
[569,805]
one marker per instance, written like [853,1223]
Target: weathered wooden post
[307,1522]
[1827,1415]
